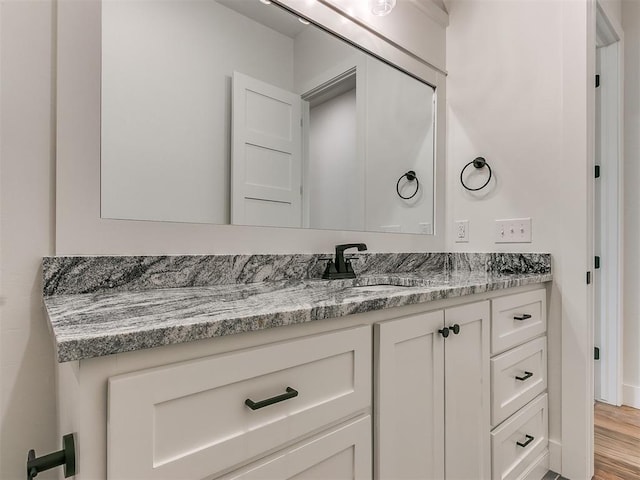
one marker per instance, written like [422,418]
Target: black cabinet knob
[444,332]
[456,328]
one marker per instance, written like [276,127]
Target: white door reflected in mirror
[266,155]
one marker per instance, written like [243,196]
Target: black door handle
[455,328]
[526,376]
[270,401]
[65,457]
[524,316]
[529,440]
[444,332]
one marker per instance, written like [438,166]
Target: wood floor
[617,443]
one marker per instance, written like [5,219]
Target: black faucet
[341,268]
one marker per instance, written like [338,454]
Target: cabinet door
[409,398]
[341,454]
[467,394]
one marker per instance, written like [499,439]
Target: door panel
[467,394]
[266,154]
[409,398]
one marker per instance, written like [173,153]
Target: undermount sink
[394,281]
[376,288]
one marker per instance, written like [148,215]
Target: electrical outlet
[513,230]
[461,232]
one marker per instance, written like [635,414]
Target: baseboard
[631,395]
[555,456]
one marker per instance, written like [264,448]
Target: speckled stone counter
[99,316]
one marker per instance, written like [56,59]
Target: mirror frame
[81,231]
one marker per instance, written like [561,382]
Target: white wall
[518,95]
[166,109]
[631,327]
[613,9]
[396,145]
[27,162]
[336,190]
[505,97]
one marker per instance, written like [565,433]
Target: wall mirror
[240,112]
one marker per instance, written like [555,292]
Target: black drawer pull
[529,440]
[444,332]
[455,329]
[270,401]
[526,376]
[525,316]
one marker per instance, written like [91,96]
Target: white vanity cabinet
[519,402]
[380,394]
[432,395]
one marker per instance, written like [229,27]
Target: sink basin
[395,280]
[382,282]
[376,288]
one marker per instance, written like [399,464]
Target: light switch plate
[513,230]
[461,231]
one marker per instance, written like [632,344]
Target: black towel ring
[411,176]
[477,162]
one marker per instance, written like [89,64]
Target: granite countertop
[87,325]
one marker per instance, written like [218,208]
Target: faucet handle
[347,265]
[330,270]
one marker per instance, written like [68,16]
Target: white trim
[608,29]
[555,456]
[409,14]
[81,231]
[631,396]
[611,221]
[433,11]
[306,200]
[578,119]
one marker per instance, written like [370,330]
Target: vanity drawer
[343,453]
[520,441]
[517,377]
[517,318]
[191,420]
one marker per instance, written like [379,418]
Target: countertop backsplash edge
[71,275]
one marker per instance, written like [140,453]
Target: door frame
[333,80]
[610,44]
